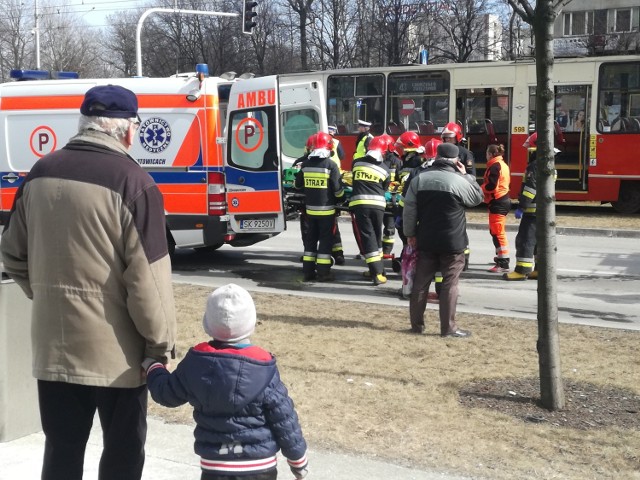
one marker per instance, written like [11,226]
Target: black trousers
[318,240]
[67,411]
[270,475]
[367,228]
[526,245]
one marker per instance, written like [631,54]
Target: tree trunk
[551,385]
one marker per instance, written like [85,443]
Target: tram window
[356,97]
[418,102]
[297,126]
[571,107]
[483,109]
[619,97]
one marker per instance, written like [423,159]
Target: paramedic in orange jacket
[496,195]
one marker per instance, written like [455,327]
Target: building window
[578,23]
[623,20]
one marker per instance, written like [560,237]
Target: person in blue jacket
[243,412]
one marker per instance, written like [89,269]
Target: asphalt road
[598,276]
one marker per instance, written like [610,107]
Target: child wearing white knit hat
[242,409]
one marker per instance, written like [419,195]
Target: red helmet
[452,129]
[323,141]
[311,142]
[391,143]
[378,146]
[531,141]
[408,141]
[431,148]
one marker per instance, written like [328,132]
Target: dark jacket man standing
[434,222]
[86,242]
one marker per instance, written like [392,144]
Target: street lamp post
[167,10]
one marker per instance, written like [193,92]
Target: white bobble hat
[230,315]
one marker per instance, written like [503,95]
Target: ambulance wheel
[396,266]
[171,244]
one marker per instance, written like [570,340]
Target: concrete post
[19,412]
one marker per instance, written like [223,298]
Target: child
[242,410]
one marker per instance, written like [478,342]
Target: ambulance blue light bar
[29,75]
[65,75]
[21,75]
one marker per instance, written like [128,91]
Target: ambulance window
[297,126]
[252,144]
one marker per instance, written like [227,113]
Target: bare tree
[463,27]
[120,41]
[303,9]
[393,23]
[61,47]
[16,38]
[333,33]
[541,18]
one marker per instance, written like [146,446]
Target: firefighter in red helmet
[452,133]
[319,178]
[367,205]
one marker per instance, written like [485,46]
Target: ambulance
[216,146]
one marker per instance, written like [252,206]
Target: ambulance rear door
[253,176]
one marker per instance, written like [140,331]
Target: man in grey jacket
[434,223]
[86,241]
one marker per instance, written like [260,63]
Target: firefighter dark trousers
[367,228]
[526,244]
[336,248]
[318,241]
[388,234]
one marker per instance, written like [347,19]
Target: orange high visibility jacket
[496,179]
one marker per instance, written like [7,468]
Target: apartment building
[597,27]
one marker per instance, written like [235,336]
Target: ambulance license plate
[262,224]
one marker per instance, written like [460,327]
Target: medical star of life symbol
[154,134]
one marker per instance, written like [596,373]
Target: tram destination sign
[417,85]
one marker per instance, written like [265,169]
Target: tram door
[571,136]
[485,115]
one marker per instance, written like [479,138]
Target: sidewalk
[170,457]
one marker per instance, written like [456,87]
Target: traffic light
[248,14]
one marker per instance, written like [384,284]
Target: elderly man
[86,241]
[434,223]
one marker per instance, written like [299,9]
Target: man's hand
[461,168]
[413,242]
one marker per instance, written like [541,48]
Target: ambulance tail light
[216,197]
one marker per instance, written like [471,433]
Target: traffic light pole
[144,16]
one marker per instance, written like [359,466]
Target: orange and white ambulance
[215,146]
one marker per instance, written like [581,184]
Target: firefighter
[394,164]
[496,195]
[319,178]
[526,213]
[309,146]
[452,133]
[367,205]
[362,141]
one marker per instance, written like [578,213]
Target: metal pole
[37,32]
[168,10]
